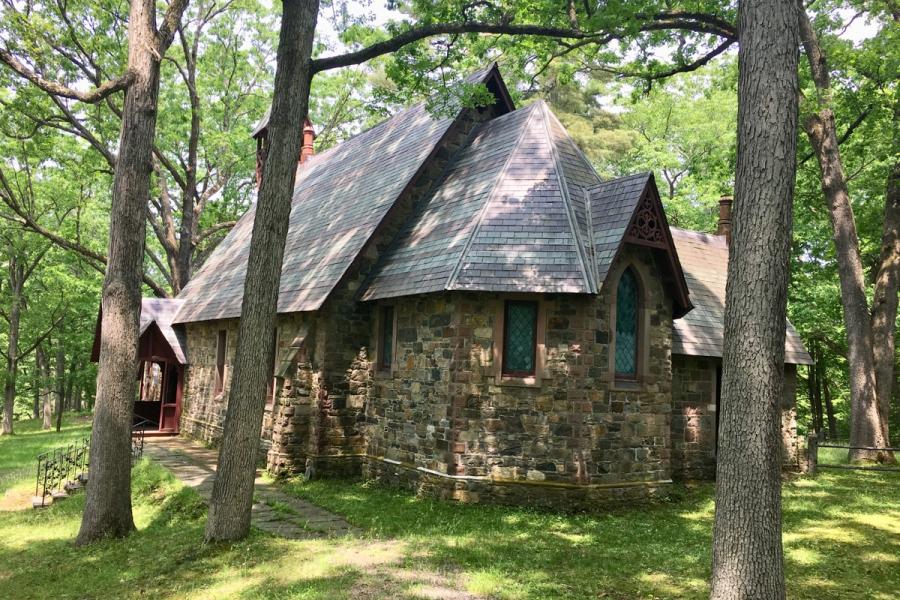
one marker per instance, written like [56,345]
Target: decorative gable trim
[646,227]
[649,227]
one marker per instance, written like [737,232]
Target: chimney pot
[724,227]
[309,136]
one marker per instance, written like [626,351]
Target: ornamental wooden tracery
[646,227]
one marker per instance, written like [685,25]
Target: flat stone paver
[293,518]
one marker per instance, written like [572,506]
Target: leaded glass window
[519,338]
[387,337]
[627,324]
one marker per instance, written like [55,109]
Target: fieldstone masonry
[443,421]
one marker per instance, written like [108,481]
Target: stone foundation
[553,496]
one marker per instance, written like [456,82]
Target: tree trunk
[866,426]
[36,383]
[60,383]
[829,408]
[819,370]
[232,497]
[43,368]
[884,303]
[747,553]
[70,384]
[12,352]
[107,511]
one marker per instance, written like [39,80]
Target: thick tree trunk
[12,356]
[107,511]
[747,552]
[884,303]
[867,428]
[43,368]
[232,497]
[60,383]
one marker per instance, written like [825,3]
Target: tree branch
[27,221]
[212,230]
[52,87]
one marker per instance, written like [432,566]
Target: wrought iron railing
[137,444]
[65,469]
[61,469]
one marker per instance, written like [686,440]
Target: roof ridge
[564,191]
[487,202]
[577,148]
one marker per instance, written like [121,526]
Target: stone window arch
[628,338]
[629,324]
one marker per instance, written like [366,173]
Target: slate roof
[158,311]
[162,311]
[500,219]
[612,205]
[339,199]
[704,259]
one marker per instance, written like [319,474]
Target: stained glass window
[387,337]
[519,338]
[627,324]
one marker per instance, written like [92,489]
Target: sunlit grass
[841,540]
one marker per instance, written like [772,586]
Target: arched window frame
[641,337]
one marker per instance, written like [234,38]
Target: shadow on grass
[841,536]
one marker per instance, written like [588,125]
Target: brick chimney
[262,148]
[309,136]
[724,227]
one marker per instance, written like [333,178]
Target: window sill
[512,381]
[383,374]
[625,385]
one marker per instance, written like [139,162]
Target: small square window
[519,338]
[386,339]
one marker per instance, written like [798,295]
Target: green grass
[842,540]
[18,453]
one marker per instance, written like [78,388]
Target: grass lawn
[842,540]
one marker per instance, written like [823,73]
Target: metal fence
[61,469]
[65,469]
[812,456]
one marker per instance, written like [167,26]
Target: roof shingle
[701,332]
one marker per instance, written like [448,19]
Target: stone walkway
[273,511]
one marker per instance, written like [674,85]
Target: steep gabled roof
[501,219]
[701,332]
[629,210]
[340,198]
[155,313]
[521,209]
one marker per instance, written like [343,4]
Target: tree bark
[232,497]
[867,427]
[12,345]
[747,551]
[829,408]
[60,366]
[107,511]
[884,302]
[46,396]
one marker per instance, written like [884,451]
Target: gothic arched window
[627,310]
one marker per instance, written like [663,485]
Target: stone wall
[694,417]
[317,417]
[444,412]
[203,411]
